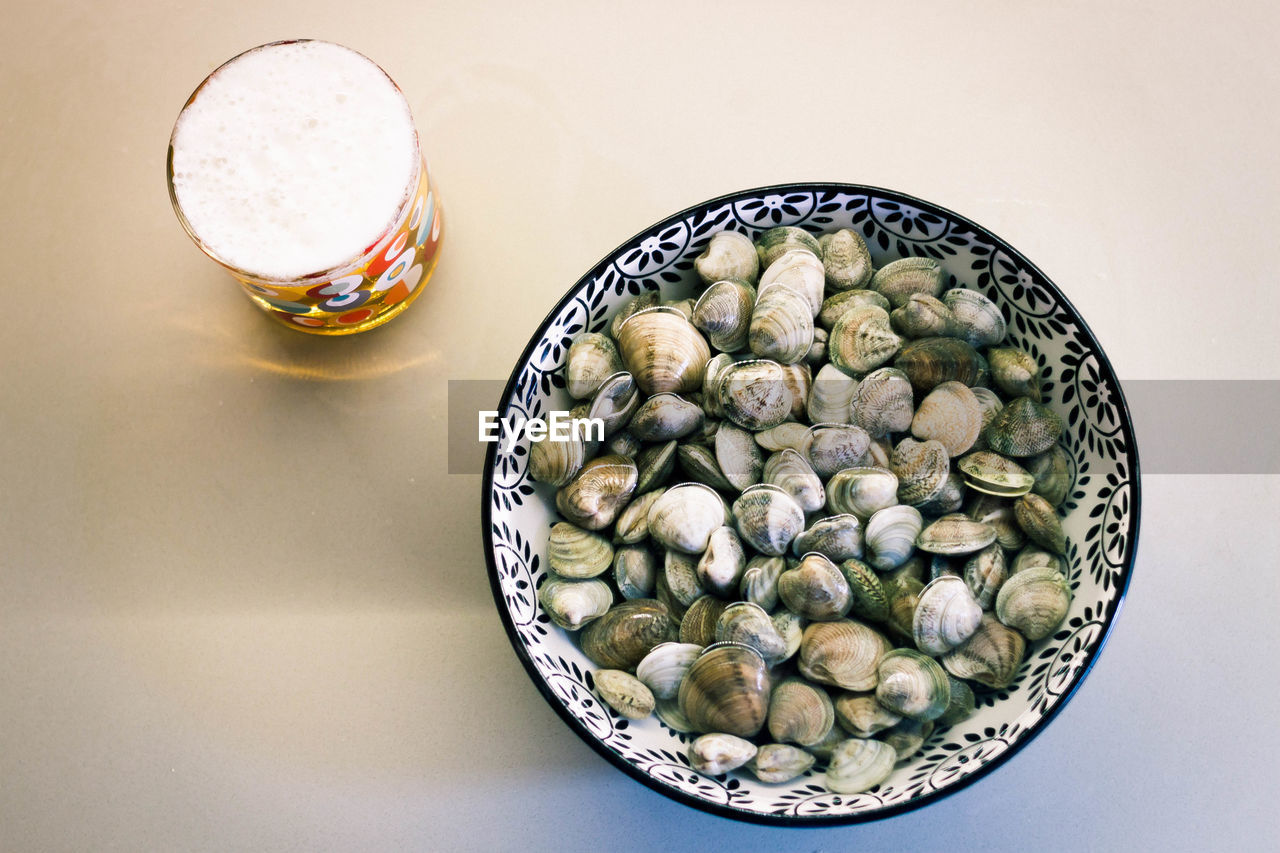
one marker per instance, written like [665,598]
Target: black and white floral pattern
[1101,520]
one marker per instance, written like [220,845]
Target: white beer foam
[294,159]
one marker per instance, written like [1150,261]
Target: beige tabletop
[243,605]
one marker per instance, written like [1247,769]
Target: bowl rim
[814,821]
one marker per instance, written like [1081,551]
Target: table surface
[243,605]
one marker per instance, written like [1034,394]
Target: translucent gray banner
[1183,426]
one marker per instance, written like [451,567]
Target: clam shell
[940,565]
[862,491]
[846,260]
[817,354]
[681,585]
[985,572]
[738,455]
[622,637]
[683,306]
[991,405]
[1040,522]
[801,271]
[815,589]
[699,464]
[831,397]
[928,362]
[904,595]
[668,711]
[576,553]
[915,568]
[859,765]
[698,624]
[726,690]
[775,242]
[1034,602]
[907,737]
[781,325]
[614,402]
[654,465]
[712,378]
[954,535]
[556,462]
[870,601]
[598,492]
[721,566]
[949,499]
[890,536]
[790,628]
[962,703]
[635,571]
[664,417]
[623,444]
[663,668]
[923,316]
[632,525]
[776,763]
[768,518]
[1033,556]
[991,656]
[823,749]
[832,447]
[834,306]
[624,693]
[998,512]
[1015,372]
[791,472]
[573,603]
[921,468]
[837,537]
[592,358]
[715,753]
[897,280]
[684,517]
[728,255]
[951,414]
[798,379]
[647,299]
[783,436]
[978,320]
[663,351]
[912,684]
[800,713]
[759,583]
[883,402]
[754,394]
[1052,473]
[723,313]
[862,716]
[946,615]
[707,436]
[861,340]
[993,474]
[1023,428]
[843,653]
[749,624]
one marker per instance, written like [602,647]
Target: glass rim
[338,270]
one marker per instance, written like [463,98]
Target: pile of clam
[823,510]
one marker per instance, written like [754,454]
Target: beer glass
[296,166]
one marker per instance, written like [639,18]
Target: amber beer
[296,165]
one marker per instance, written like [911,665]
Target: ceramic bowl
[1101,511]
